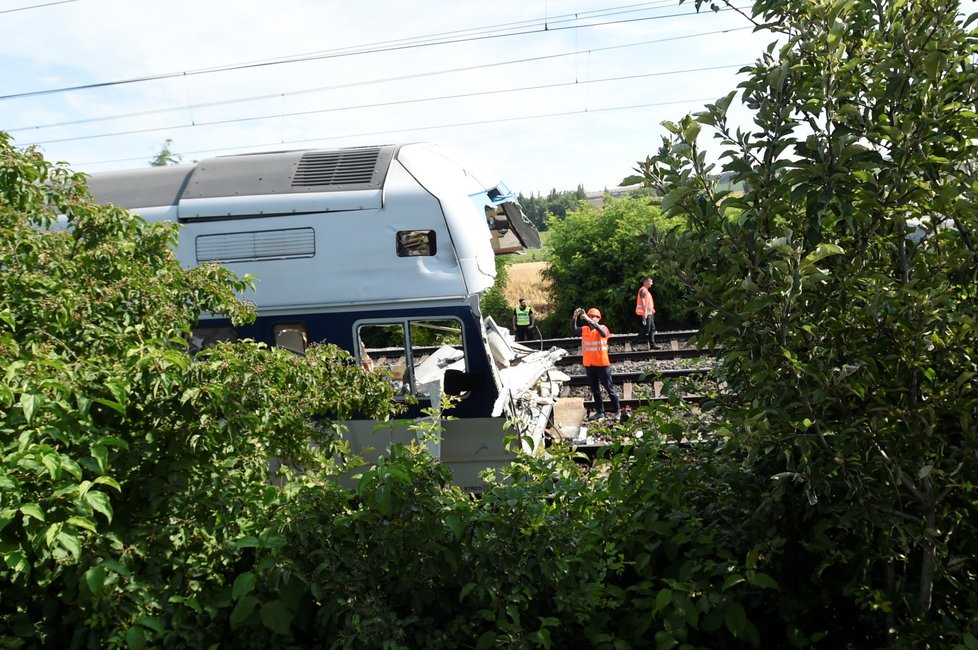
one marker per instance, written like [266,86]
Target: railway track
[671,340]
[640,375]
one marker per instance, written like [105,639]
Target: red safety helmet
[594,313]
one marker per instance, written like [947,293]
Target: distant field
[525,281]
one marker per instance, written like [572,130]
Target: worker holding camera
[594,351]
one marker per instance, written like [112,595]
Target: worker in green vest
[522,320]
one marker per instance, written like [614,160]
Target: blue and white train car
[383,251]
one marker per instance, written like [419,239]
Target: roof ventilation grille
[344,167]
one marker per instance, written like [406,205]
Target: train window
[416,243]
[384,346]
[205,337]
[417,353]
[436,346]
[291,336]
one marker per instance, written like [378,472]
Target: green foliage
[599,257]
[539,209]
[128,468]
[493,302]
[546,557]
[841,286]
[165,156]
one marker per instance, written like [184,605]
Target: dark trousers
[645,332]
[598,376]
[522,332]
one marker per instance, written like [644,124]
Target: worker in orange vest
[645,310]
[594,351]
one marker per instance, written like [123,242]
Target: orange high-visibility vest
[644,305]
[594,347]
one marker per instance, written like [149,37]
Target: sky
[551,94]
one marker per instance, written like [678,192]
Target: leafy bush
[129,469]
[599,257]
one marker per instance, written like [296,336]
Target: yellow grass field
[525,281]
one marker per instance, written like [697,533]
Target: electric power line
[41,6]
[413,129]
[237,120]
[226,102]
[322,56]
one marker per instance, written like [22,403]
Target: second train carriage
[383,251]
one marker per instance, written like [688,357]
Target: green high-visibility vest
[522,316]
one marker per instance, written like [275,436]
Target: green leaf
[455,525]
[116,406]
[152,623]
[135,638]
[70,543]
[663,599]
[242,611]
[53,464]
[763,580]
[115,567]
[70,466]
[95,579]
[486,640]
[32,510]
[16,561]
[6,516]
[736,619]
[29,402]
[83,522]
[243,585]
[732,580]
[247,542]
[108,480]
[276,617]
[99,501]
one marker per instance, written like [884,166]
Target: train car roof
[285,172]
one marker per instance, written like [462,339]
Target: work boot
[595,416]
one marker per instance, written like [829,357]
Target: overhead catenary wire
[40,6]
[325,55]
[269,116]
[366,82]
[415,128]
[192,107]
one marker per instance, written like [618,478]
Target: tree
[539,209]
[841,286]
[599,257]
[165,156]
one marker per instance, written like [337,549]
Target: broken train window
[416,352]
[416,243]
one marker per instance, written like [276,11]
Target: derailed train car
[383,251]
